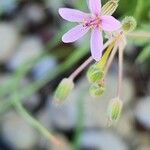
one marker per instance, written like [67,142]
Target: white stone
[30,48]
[18,132]
[142,111]
[102,140]
[34,13]
[8,5]
[43,67]
[8,40]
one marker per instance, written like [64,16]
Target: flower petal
[73,15]
[110,24]
[96,44]
[95,6]
[74,34]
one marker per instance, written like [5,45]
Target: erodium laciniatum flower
[95,21]
[98,20]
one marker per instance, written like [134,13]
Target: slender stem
[87,62]
[23,112]
[37,125]
[138,10]
[80,68]
[110,59]
[139,35]
[120,74]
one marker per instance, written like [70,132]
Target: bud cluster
[95,75]
[129,24]
[114,109]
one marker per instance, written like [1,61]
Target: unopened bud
[95,74]
[110,7]
[96,90]
[129,24]
[63,90]
[114,109]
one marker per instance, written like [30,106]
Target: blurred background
[33,60]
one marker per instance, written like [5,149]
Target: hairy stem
[120,74]
[87,62]
[110,59]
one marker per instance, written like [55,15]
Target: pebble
[33,13]
[103,140]
[7,6]
[9,38]
[43,67]
[30,48]
[142,112]
[18,132]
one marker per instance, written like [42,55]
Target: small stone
[103,140]
[7,6]
[43,67]
[9,39]
[33,13]
[30,48]
[142,112]
[18,132]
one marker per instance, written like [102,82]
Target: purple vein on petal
[96,44]
[95,6]
[74,34]
[73,15]
[109,23]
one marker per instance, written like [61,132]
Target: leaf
[144,55]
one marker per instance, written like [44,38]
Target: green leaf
[144,55]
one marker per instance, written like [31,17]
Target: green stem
[138,10]
[33,122]
[140,34]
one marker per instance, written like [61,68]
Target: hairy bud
[95,74]
[96,90]
[63,89]
[129,24]
[110,7]
[114,109]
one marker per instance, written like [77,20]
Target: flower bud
[129,24]
[95,74]
[63,90]
[114,109]
[96,90]
[110,7]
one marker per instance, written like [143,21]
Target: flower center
[93,22]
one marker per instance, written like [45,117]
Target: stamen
[94,22]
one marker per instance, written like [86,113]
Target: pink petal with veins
[96,44]
[73,15]
[74,34]
[95,6]
[110,24]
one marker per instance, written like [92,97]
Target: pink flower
[94,21]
